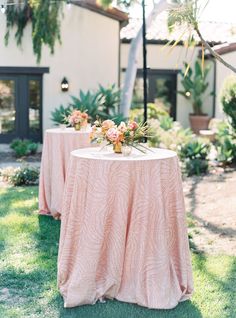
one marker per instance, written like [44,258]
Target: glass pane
[34,106]
[7,106]
[138,92]
[163,90]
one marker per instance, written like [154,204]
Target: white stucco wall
[222,72]
[88,55]
[159,57]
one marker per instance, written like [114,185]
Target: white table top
[69,130]
[100,154]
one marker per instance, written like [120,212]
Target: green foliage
[228,99]
[103,103]
[87,101]
[154,111]
[172,138]
[166,122]
[109,99]
[186,13]
[225,144]
[23,147]
[45,17]
[21,176]
[59,114]
[196,149]
[195,85]
[194,155]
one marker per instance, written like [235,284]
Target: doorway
[20,105]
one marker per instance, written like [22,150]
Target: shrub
[226,151]
[166,122]
[194,156]
[23,147]
[24,175]
[225,144]
[172,138]
[154,111]
[228,99]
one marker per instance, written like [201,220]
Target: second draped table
[57,146]
[123,232]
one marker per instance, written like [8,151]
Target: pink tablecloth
[123,232]
[57,146]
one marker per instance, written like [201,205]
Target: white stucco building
[88,55]
[94,50]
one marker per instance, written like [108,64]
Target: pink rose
[132,125]
[113,134]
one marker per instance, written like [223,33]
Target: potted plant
[195,85]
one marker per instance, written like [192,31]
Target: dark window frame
[22,76]
[164,72]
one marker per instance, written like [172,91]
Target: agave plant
[103,103]
[59,114]
[109,98]
[88,102]
[194,155]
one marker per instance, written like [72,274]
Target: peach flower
[107,124]
[132,125]
[122,127]
[113,134]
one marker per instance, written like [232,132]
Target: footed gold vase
[117,147]
[77,126]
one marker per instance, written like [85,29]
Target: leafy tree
[45,16]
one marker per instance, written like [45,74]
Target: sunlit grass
[28,268]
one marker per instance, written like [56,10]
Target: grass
[28,269]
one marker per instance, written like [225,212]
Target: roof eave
[112,13]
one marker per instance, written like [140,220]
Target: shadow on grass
[226,286]
[117,309]
[11,195]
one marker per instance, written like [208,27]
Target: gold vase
[117,147]
[77,126]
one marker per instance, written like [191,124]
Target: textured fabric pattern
[123,232]
[57,146]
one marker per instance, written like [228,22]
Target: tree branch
[213,53]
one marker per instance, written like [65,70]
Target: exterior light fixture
[3,9]
[187,94]
[64,85]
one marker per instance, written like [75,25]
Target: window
[161,85]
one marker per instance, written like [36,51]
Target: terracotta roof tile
[213,32]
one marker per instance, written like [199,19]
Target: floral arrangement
[129,134]
[77,119]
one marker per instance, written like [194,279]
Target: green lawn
[28,268]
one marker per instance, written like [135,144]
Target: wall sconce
[64,85]
[3,9]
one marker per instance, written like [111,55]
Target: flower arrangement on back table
[78,119]
[125,134]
